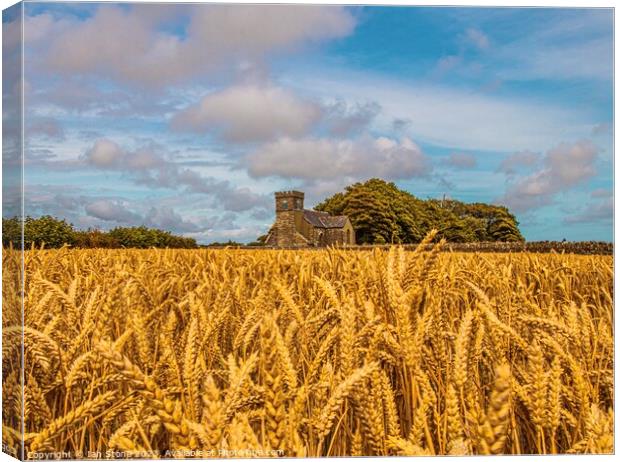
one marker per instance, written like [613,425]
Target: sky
[189,117]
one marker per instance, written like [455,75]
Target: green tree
[142,237]
[94,239]
[53,233]
[49,231]
[11,232]
[382,213]
[504,229]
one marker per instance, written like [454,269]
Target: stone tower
[289,214]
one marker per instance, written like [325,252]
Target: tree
[142,237]
[47,230]
[11,232]
[259,242]
[382,213]
[53,232]
[504,229]
[95,239]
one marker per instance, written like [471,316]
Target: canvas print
[235,231]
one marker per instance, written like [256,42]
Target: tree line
[53,233]
[379,212]
[383,214]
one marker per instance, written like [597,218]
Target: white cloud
[451,117]
[128,48]
[589,60]
[258,29]
[109,155]
[343,118]
[44,127]
[166,218]
[126,43]
[255,112]
[145,158]
[56,200]
[77,206]
[161,217]
[108,210]
[224,232]
[39,27]
[570,164]
[603,210]
[105,154]
[576,46]
[248,113]
[328,159]
[478,38]
[147,166]
[565,166]
[515,160]
[12,36]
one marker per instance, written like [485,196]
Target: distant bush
[53,233]
[47,230]
[259,242]
[95,239]
[142,237]
[11,232]
[229,243]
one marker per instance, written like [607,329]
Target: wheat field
[237,353]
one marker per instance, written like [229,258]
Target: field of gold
[309,353]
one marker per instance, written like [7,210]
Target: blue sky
[189,117]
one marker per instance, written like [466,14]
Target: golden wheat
[308,353]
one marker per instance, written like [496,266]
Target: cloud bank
[136,49]
[564,166]
[249,113]
[148,167]
[328,159]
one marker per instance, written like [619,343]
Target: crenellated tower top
[289,200]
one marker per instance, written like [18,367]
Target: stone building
[296,227]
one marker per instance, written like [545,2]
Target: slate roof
[324,219]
